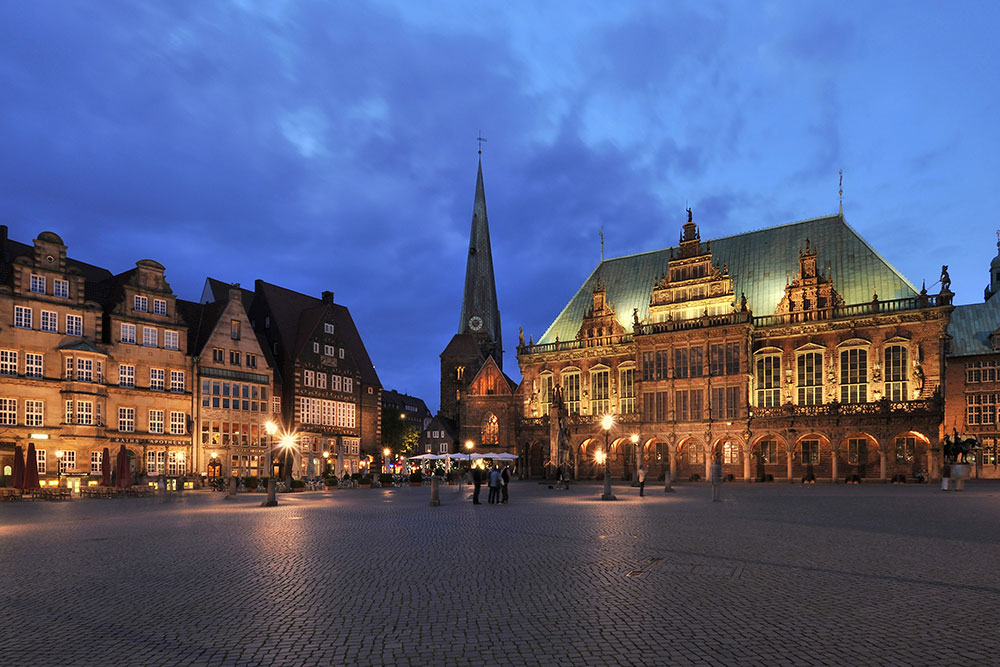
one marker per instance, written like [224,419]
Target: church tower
[480,312]
[478,334]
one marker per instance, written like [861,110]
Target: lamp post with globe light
[272,499]
[606,423]
[635,447]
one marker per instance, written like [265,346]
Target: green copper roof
[758,264]
[970,328]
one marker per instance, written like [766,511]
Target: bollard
[272,500]
[435,491]
[666,483]
[231,495]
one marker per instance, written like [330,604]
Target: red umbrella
[106,468]
[31,469]
[122,469]
[18,467]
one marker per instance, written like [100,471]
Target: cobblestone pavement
[775,574]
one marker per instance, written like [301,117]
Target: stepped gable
[758,263]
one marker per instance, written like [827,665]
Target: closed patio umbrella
[106,467]
[31,469]
[18,467]
[122,470]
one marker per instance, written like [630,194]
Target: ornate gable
[599,321]
[693,285]
[810,293]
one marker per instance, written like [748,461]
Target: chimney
[234,292]
[328,297]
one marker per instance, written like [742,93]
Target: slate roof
[970,328]
[217,290]
[757,261]
[296,316]
[397,401]
[462,345]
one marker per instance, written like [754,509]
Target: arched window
[854,375]
[730,452]
[810,378]
[768,378]
[491,431]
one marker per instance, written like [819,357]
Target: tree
[399,436]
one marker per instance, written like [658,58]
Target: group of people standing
[497,480]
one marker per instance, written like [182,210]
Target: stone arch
[655,456]
[732,451]
[812,455]
[692,455]
[622,453]
[856,459]
[768,456]
[586,465]
[908,454]
[536,458]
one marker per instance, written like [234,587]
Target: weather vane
[842,192]
[602,243]
[480,139]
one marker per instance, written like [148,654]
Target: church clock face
[475,323]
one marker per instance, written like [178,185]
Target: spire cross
[602,242]
[841,191]
[480,139]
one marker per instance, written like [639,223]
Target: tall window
[60,288]
[157,379]
[682,409]
[34,413]
[730,452]
[895,373]
[95,463]
[50,321]
[177,423]
[22,317]
[906,449]
[74,325]
[647,365]
[768,451]
[159,307]
[546,395]
[33,367]
[37,284]
[491,431]
[156,421]
[126,375]
[810,452]
[8,362]
[854,376]
[128,333]
[626,390]
[84,369]
[41,458]
[140,303]
[769,381]
[126,420]
[149,336]
[177,381]
[696,362]
[571,392]
[171,340]
[234,329]
[810,378]
[85,413]
[857,451]
[681,362]
[732,358]
[599,403]
[716,359]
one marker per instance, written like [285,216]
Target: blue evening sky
[331,145]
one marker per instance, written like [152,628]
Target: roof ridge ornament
[842,201]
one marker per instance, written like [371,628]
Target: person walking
[716,478]
[504,483]
[642,481]
[494,495]
[477,481]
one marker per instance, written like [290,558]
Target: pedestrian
[494,483]
[642,481]
[477,481]
[716,478]
[560,479]
[504,483]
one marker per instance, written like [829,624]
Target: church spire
[480,312]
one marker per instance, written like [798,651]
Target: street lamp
[635,448]
[385,459]
[59,455]
[606,423]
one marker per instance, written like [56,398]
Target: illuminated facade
[787,352]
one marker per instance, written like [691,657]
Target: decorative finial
[842,195]
[480,139]
[602,243]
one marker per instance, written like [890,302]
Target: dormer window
[327,328]
[140,304]
[60,288]
[37,284]
[159,306]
